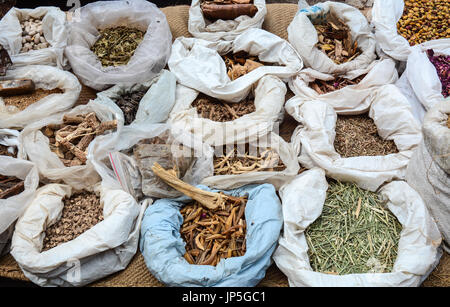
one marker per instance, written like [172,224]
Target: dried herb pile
[5,152]
[70,139]
[233,163]
[10,186]
[354,234]
[424,20]
[227,9]
[211,235]
[323,87]
[25,100]
[80,213]
[442,65]
[241,63]
[117,45]
[336,41]
[129,104]
[220,111]
[357,135]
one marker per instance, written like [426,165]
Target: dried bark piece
[229,10]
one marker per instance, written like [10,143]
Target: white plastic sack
[421,77]
[156,104]
[10,139]
[302,202]
[198,63]
[277,178]
[11,208]
[55,32]
[223,29]
[303,36]
[104,249]
[47,78]
[163,248]
[350,99]
[149,58]
[269,99]
[119,169]
[35,145]
[429,169]
[394,120]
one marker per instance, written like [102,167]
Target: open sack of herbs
[338,233]
[213,227]
[398,27]
[223,20]
[338,39]
[233,67]
[35,36]
[63,223]
[370,148]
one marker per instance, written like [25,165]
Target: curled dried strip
[323,87]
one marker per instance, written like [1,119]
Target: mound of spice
[335,40]
[357,135]
[116,46]
[22,102]
[211,235]
[424,20]
[323,87]
[70,140]
[442,65]
[256,160]
[227,9]
[241,63]
[355,233]
[10,186]
[32,35]
[81,212]
[220,111]
[129,104]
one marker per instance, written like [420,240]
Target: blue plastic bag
[163,248]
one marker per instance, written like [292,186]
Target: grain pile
[10,186]
[354,234]
[335,40]
[227,9]
[211,235]
[21,102]
[323,87]
[357,135]
[240,63]
[80,213]
[424,20]
[235,163]
[70,139]
[116,46]
[32,35]
[129,104]
[220,111]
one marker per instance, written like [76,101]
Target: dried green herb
[117,45]
[355,233]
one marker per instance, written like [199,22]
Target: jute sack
[157,102]
[303,36]
[119,168]
[12,207]
[210,77]
[35,145]
[223,29]
[269,98]
[314,139]
[350,99]
[55,32]
[283,151]
[302,202]
[420,82]
[429,169]
[149,58]
[47,78]
[104,249]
